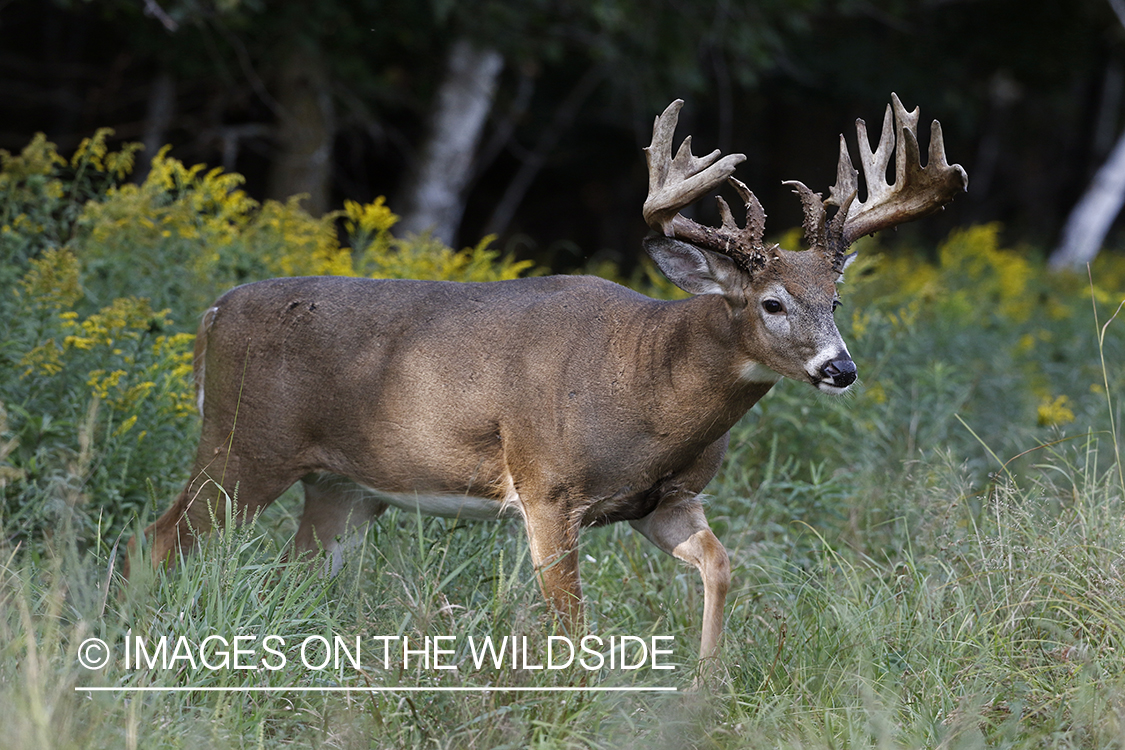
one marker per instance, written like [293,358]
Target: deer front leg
[679,527]
[553,539]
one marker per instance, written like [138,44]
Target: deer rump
[443,397]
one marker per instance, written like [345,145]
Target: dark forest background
[937,560]
[343,99]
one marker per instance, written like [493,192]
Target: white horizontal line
[407,689]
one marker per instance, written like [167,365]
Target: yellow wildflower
[1054,412]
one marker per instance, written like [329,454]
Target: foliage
[380,255]
[932,561]
[763,78]
[100,410]
[984,336]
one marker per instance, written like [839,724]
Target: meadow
[934,560]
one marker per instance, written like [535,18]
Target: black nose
[840,371]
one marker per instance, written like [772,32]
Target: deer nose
[840,371]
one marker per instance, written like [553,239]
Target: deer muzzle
[838,373]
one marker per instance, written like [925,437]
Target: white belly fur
[468,507]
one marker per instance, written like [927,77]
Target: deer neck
[705,382]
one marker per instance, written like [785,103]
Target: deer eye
[772,306]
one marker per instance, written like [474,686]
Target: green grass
[998,620]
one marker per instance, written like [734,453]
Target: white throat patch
[756,372]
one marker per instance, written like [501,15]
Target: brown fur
[594,404]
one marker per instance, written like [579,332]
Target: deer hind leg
[218,475]
[679,527]
[335,518]
[553,538]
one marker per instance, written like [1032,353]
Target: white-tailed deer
[566,401]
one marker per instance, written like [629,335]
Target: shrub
[99,412]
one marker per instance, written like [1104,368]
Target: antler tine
[847,177]
[815,215]
[828,238]
[875,162]
[745,245]
[755,230]
[819,232]
[677,182]
[936,154]
[906,150]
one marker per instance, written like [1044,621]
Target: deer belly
[450,505]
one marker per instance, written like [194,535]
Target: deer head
[785,297]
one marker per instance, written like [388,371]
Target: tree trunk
[1090,220]
[306,128]
[158,119]
[434,198]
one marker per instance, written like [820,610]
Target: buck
[566,401]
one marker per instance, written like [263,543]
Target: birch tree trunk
[434,198]
[1090,220]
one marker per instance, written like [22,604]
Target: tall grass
[1000,621]
[422,578]
[998,625]
[933,561]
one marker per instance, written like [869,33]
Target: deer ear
[693,269]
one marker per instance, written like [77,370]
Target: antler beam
[674,183]
[917,191]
